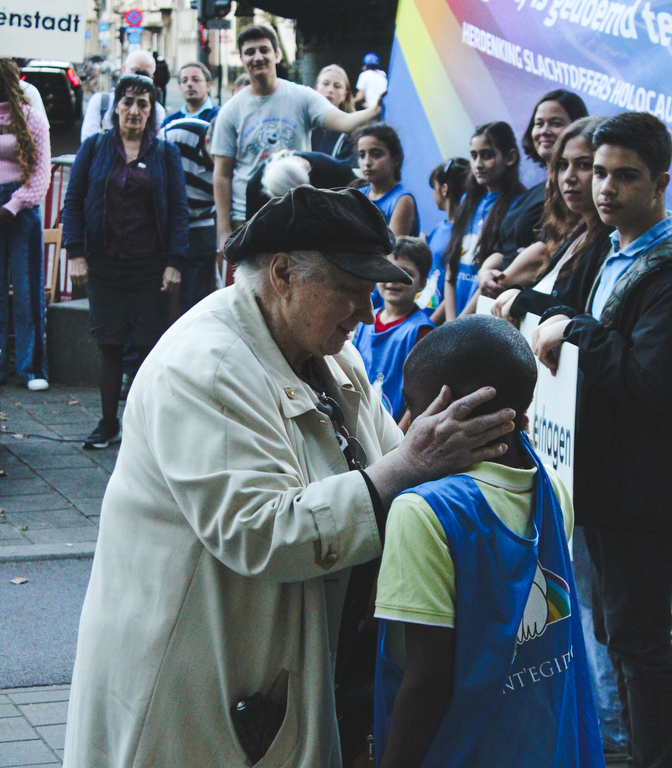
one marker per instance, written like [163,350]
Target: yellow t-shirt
[416,583]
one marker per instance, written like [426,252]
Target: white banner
[43,29]
[552,413]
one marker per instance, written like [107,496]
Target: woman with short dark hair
[125,226]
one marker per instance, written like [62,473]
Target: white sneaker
[37,385]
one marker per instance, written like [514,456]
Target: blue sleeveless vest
[389,200]
[527,702]
[386,353]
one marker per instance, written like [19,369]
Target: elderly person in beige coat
[240,502]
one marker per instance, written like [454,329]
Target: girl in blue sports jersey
[380,157]
[492,187]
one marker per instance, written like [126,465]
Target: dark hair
[454,173]
[136,84]
[389,137]
[257,32]
[469,353]
[558,222]
[570,102]
[643,133]
[199,65]
[501,138]
[416,250]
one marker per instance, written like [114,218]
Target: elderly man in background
[257,468]
[98,115]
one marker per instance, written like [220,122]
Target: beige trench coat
[227,533]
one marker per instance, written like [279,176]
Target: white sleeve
[160,116]
[317,108]
[224,136]
[361,80]
[34,95]
[91,122]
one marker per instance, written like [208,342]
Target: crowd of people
[267,463]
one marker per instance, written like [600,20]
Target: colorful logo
[548,602]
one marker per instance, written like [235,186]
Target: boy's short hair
[257,32]
[416,250]
[643,133]
[467,354]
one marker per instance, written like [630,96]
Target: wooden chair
[52,237]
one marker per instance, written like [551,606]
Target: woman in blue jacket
[126,231]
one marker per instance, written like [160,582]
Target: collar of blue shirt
[207,105]
[651,237]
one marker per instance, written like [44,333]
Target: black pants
[632,611]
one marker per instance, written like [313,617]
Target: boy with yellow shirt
[481,661]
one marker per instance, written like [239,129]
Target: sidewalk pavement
[51,493]
[32,726]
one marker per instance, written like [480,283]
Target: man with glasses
[195,82]
[256,471]
[98,115]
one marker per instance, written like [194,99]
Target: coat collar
[294,398]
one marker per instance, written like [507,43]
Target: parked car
[71,73]
[59,98]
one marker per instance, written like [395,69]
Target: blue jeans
[21,265]
[198,269]
[632,611]
[602,672]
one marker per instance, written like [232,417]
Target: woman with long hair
[492,188]
[577,238]
[380,160]
[126,231]
[333,83]
[25,156]
[521,229]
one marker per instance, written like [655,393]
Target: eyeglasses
[352,449]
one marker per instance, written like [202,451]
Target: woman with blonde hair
[25,154]
[333,83]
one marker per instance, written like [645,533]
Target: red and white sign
[133,17]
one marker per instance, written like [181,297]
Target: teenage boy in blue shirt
[481,658]
[623,458]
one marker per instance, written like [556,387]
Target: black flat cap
[343,225]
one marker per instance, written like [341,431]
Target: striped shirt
[188,135]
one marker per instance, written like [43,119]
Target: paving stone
[39,694]
[34,503]
[25,753]
[10,535]
[52,713]
[89,507]
[79,429]
[87,532]
[7,710]
[52,518]
[87,483]
[23,486]
[54,735]
[68,460]
[15,729]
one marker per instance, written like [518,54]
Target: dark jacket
[521,225]
[570,289]
[84,208]
[623,452]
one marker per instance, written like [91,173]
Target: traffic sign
[103,26]
[133,17]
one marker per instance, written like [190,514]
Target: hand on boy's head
[444,439]
[546,340]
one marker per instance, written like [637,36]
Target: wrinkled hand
[79,272]
[546,341]
[491,282]
[7,219]
[171,280]
[502,306]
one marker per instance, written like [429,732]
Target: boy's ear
[661,183]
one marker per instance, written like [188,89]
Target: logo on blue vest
[548,602]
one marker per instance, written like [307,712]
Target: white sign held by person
[552,413]
[43,29]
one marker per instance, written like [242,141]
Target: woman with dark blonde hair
[25,155]
[333,83]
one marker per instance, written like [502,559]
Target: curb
[25,552]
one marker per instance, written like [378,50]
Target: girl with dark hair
[448,180]
[25,155]
[577,238]
[492,187]
[380,157]
[126,231]
[521,228]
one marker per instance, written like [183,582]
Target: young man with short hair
[481,660]
[195,82]
[623,457]
[272,114]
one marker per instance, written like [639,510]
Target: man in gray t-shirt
[268,115]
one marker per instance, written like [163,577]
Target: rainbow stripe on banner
[456,64]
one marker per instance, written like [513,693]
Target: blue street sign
[103,26]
